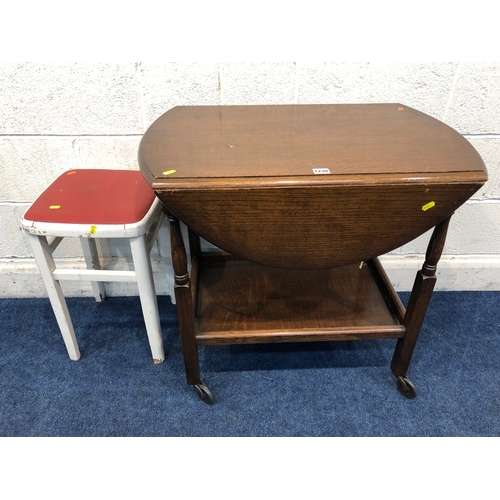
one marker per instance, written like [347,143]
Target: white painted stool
[91,204]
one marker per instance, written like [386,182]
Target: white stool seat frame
[45,237]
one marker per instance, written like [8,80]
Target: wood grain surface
[286,141]
[242,178]
[244,302]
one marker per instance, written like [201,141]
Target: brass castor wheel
[204,393]
[406,387]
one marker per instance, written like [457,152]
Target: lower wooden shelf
[226,300]
[242,302]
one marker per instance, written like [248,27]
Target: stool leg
[46,265]
[92,260]
[147,294]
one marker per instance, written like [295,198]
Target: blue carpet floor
[323,389]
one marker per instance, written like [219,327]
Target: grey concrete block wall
[60,116]
[258,83]
[12,242]
[475,101]
[69,99]
[489,149]
[164,86]
[28,163]
[424,86]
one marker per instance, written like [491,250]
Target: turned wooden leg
[184,301]
[419,300]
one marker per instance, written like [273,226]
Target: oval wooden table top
[308,186]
